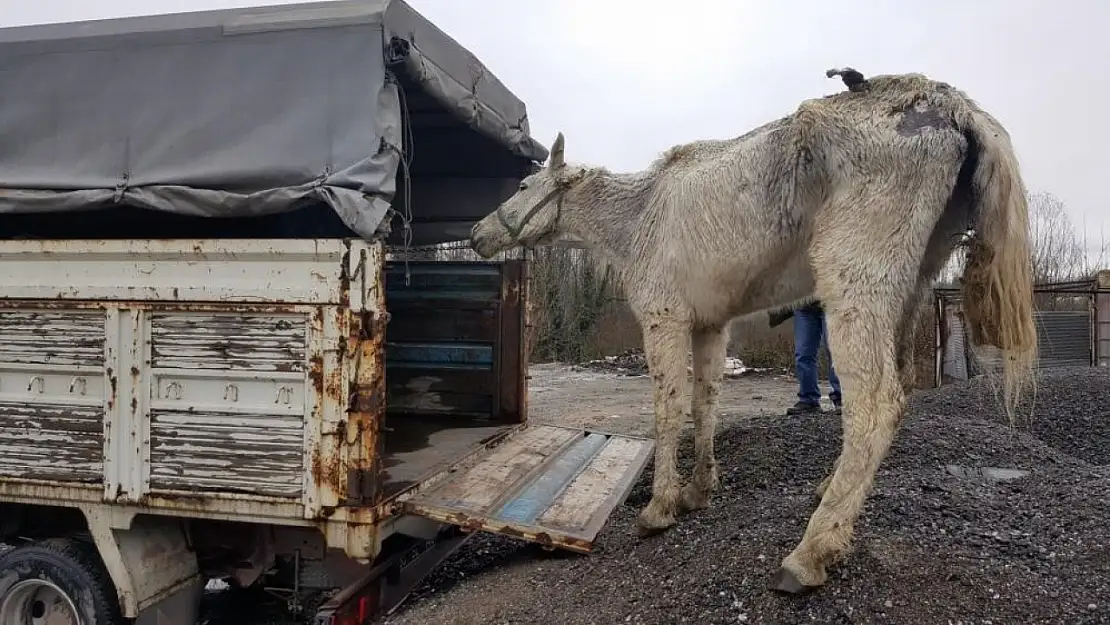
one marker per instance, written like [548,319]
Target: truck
[217,360]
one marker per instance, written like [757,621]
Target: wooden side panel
[551,485]
[454,342]
[228,399]
[53,389]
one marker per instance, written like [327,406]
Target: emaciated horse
[856,199]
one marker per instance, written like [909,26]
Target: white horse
[856,199]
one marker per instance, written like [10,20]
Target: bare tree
[1058,250]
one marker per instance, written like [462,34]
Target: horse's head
[532,215]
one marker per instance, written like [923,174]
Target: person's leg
[834,382]
[807,338]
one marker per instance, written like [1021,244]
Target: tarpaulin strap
[405,153]
[121,186]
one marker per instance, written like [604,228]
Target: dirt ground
[580,397]
[940,541]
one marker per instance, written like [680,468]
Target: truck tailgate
[547,484]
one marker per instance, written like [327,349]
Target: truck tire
[59,579]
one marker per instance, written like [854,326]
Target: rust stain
[148,500]
[345,276]
[112,383]
[316,374]
[366,409]
[477,524]
[327,476]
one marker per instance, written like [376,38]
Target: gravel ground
[931,546]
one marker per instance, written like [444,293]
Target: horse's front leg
[666,346]
[709,367]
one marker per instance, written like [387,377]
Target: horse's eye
[523,186]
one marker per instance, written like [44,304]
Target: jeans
[809,328]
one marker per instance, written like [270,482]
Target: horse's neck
[607,212]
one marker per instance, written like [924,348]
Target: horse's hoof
[692,499]
[646,531]
[785,582]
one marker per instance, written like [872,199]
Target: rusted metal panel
[52,395]
[428,323]
[190,398]
[227,404]
[546,484]
[455,339]
[366,388]
[228,342]
[51,442]
[512,364]
[309,271]
[226,452]
[63,338]
[436,281]
[364,422]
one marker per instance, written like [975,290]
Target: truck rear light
[357,608]
[356,612]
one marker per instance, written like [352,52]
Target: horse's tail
[998,276]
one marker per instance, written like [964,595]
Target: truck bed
[264,381]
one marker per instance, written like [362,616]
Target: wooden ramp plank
[609,476]
[551,485]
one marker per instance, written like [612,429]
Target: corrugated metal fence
[1102,318]
[1073,329]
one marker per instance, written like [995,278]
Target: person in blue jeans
[809,328]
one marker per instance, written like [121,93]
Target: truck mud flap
[546,484]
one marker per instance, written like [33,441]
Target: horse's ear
[556,159]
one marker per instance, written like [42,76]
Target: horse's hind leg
[862,338]
[709,363]
[939,249]
[867,278]
[903,358]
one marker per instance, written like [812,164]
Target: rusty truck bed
[265,381]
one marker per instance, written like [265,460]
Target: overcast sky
[625,79]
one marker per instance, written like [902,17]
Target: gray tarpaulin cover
[234,113]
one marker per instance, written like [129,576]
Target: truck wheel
[56,582]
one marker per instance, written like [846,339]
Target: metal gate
[1070,331]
